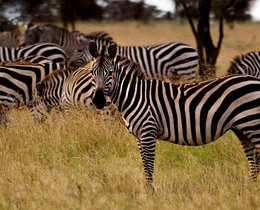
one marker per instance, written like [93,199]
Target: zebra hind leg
[252,154]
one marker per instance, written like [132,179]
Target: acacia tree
[203,36]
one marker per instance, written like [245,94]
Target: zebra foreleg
[146,145]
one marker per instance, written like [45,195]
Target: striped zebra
[246,64]
[18,81]
[188,114]
[53,34]
[51,51]
[10,39]
[50,33]
[168,61]
[65,90]
[47,94]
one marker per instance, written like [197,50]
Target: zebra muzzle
[99,99]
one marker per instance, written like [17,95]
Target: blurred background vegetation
[13,12]
[199,13]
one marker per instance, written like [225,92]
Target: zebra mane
[99,34]
[233,63]
[52,27]
[124,62]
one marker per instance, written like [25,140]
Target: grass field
[90,161]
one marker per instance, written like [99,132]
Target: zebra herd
[48,71]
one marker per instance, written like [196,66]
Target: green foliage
[6,25]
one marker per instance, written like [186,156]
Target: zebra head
[239,65]
[82,56]
[32,34]
[102,72]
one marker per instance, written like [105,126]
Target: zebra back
[18,81]
[167,61]
[51,51]
[50,33]
[32,59]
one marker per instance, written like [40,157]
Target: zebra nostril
[99,99]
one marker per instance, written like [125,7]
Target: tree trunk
[203,37]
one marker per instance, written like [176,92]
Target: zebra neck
[124,90]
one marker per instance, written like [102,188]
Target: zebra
[10,39]
[51,33]
[47,94]
[187,114]
[18,81]
[246,64]
[167,61]
[51,51]
[65,90]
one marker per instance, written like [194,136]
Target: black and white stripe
[50,33]
[246,64]
[18,81]
[51,51]
[53,34]
[47,94]
[191,114]
[65,90]
[163,61]
[32,59]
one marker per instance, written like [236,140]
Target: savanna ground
[90,161]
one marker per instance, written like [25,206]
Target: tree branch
[221,33]
[189,18]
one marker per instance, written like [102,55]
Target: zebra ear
[93,49]
[29,25]
[111,51]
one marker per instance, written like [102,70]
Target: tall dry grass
[90,161]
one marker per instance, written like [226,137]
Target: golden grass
[90,161]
